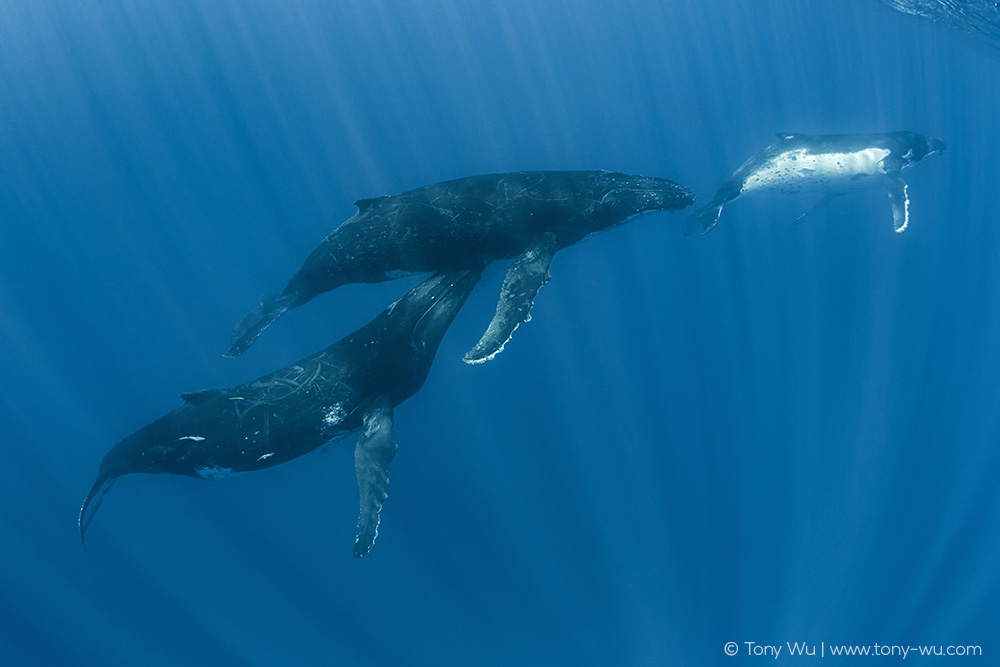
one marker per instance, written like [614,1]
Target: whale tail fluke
[93,503]
[253,323]
[705,217]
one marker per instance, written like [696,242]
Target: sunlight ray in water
[771,433]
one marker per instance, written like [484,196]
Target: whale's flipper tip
[527,275]
[486,349]
[705,218]
[255,322]
[372,460]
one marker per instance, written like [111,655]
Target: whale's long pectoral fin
[372,458]
[898,198]
[253,323]
[819,206]
[523,280]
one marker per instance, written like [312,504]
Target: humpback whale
[461,223]
[830,163]
[353,384]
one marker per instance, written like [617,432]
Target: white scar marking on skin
[196,438]
[265,456]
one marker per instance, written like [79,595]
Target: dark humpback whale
[461,223]
[980,18]
[829,163]
[354,383]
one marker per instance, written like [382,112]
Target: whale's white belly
[797,170]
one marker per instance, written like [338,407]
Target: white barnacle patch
[335,415]
[265,456]
[799,169]
[196,438]
[214,472]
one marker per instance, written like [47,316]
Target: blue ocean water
[771,433]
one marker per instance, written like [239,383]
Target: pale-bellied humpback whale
[830,163]
[354,383]
[461,223]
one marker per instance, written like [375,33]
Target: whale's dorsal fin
[199,397]
[524,278]
[365,204]
[372,458]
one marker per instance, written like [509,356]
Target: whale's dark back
[457,224]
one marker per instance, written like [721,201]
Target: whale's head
[625,195]
[934,146]
[916,147]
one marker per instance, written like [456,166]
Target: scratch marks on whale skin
[311,394]
[508,193]
[317,377]
[287,382]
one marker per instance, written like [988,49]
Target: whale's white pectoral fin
[899,199]
[819,206]
[372,458]
[523,280]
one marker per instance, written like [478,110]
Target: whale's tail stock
[705,217]
[256,321]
